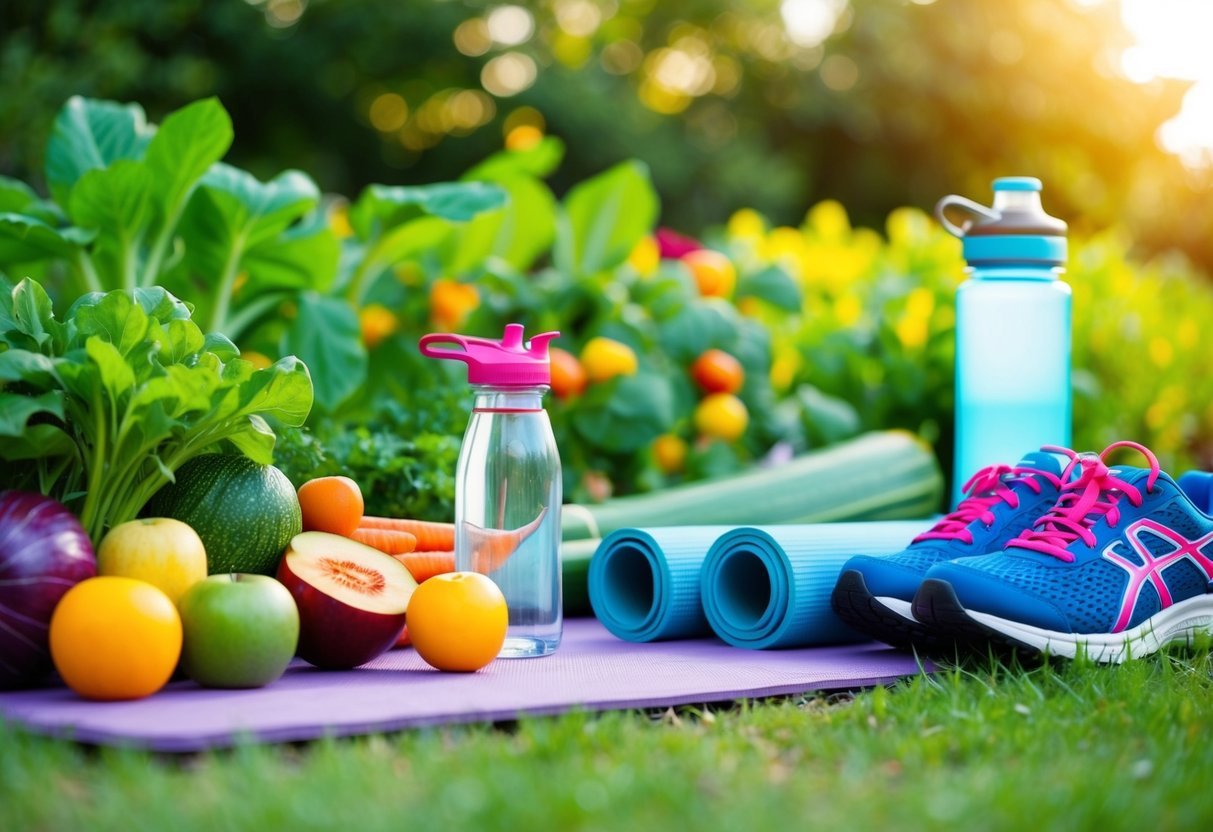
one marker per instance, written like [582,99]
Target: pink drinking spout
[509,362]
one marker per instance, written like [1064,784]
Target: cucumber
[883,475]
[245,513]
[888,475]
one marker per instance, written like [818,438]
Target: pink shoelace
[1092,495]
[986,489]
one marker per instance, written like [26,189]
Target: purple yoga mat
[592,670]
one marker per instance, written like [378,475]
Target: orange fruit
[605,358]
[115,638]
[331,504]
[715,371]
[722,416]
[670,453]
[568,376]
[713,272]
[457,621]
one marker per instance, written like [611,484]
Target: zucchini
[246,513]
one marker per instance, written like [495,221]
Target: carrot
[385,540]
[431,536]
[424,565]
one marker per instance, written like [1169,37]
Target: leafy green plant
[100,408]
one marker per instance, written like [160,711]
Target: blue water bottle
[1012,328]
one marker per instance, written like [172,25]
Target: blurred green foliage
[901,103]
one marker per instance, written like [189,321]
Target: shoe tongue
[1042,461]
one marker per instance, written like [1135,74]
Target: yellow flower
[912,332]
[747,224]
[339,220]
[829,220]
[645,256]
[920,303]
[848,310]
[1161,352]
[784,367]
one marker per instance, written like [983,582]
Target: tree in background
[773,105]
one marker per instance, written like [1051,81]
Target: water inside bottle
[509,524]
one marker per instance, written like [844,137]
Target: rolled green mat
[770,587]
[884,475]
[644,583]
[575,558]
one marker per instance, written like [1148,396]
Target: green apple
[164,552]
[241,630]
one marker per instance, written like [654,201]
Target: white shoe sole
[1178,622]
[897,606]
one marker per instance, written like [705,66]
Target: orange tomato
[376,322]
[713,272]
[451,302]
[568,376]
[670,453]
[457,621]
[115,638]
[722,416]
[715,371]
[605,358]
[331,504]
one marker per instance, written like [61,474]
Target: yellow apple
[164,552]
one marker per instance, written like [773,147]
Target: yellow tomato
[568,376]
[115,638]
[457,621]
[670,453]
[713,272]
[722,416]
[605,358]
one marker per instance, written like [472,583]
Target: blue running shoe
[874,594]
[1119,567]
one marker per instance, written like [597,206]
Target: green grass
[1071,747]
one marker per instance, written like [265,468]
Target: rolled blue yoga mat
[770,586]
[773,583]
[644,583]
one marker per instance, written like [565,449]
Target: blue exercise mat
[646,584]
[770,587]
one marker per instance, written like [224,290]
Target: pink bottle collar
[510,362]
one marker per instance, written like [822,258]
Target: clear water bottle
[508,482]
[1013,389]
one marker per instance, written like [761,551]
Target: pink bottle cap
[508,362]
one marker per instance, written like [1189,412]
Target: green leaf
[302,257]
[15,195]
[188,142]
[259,210]
[117,319]
[827,419]
[382,207]
[518,233]
[283,390]
[775,286]
[25,239]
[698,326]
[114,199]
[256,440]
[327,338]
[116,374]
[37,442]
[537,161]
[181,340]
[32,313]
[627,413]
[16,410]
[221,345]
[604,218]
[24,365]
[90,134]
